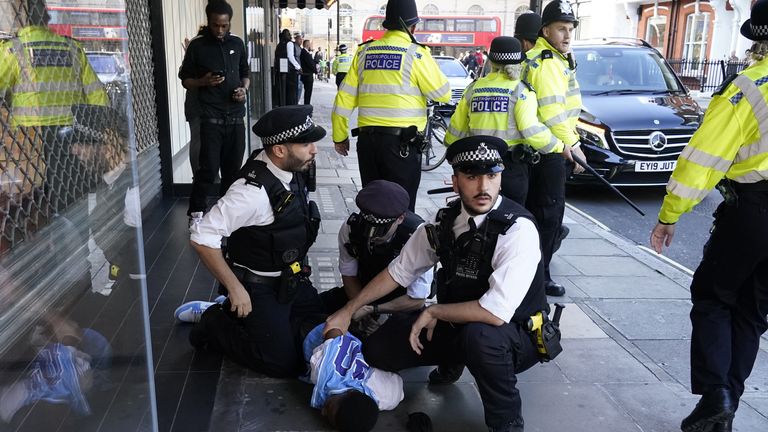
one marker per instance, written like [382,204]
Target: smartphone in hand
[219,73]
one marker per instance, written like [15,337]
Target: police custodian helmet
[756,27]
[506,50]
[558,10]
[400,9]
[527,26]
[343,48]
[479,154]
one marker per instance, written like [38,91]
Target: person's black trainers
[715,408]
[554,289]
[446,374]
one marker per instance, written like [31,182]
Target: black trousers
[339,78]
[291,88]
[514,179]
[493,355]
[730,296]
[546,200]
[221,148]
[380,158]
[268,339]
[67,179]
[308,82]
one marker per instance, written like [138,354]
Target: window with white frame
[431,9]
[696,32]
[475,10]
[524,8]
[345,21]
[655,31]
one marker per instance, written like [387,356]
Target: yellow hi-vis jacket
[732,141]
[389,83]
[557,91]
[44,75]
[341,63]
[498,106]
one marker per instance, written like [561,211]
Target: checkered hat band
[505,56]
[759,30]
[486,156]
[286,135]
[376,220]
[89,132]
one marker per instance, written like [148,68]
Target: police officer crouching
[271,223]
[368,242]
[729,290]
[485,294]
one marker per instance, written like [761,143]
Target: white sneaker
[192,311]
[220,299]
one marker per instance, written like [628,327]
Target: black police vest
[281,52]
[370,263]
[273,247]
[466,260]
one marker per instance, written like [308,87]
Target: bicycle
[433,154]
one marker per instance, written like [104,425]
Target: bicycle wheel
[434,153]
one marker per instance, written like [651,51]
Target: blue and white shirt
[337,365]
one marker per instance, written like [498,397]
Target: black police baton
[592,171]
[440,190]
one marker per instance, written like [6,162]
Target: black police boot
[554,289]
[516,425]
[564,231]
[715,407]
[446,374]
[726,426]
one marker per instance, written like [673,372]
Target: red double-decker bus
[450,34]
[99,29]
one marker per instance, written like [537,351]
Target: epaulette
[728,80]
[546,54]
[251,179]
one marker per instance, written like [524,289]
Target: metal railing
[705,75]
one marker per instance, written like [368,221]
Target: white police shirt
[348,266]
[514,262]
[243,205]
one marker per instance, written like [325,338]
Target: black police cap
[479,154]
[506,50]
[383,199]
[400,9]
[558,10]
[288,124]
[756,27]
[527,26]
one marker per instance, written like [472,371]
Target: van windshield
[623,70]
[452,68]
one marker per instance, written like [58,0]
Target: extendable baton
[592,171]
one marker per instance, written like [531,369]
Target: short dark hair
[218,7]
[357,412]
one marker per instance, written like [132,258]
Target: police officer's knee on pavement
[730,287]
[551,70]
[368,242]
[389,83]
[271,223]
[502,103]
[486,295]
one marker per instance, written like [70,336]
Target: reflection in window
[655,31]
[466,25]
[434,24]
[521,10]
[431,9]
[696,29]
[345,23]
[383,9]
[475,10]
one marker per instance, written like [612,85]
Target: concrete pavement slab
[646,319]
[560,267]
[656,407]
[577,231]
[575,324]
[583,357]
[629,287]
[587,247]
[608,266]
[758,402]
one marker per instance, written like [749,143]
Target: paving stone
[758,402]
[588,246]
[577,231]
[629,287]
[544,373]
[575,324]
[331,226]
[609,266]
[582,357]
[559,267]
[656,407]
[671,355]
[646,319]
[572,292]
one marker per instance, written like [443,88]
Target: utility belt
[545,333]
[286,285]
[730,190]
[524,154]
[410,137]
[223,121]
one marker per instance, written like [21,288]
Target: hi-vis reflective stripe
[533,130]
[705,159]
[348,88]
[407,66]
[686,192]
[96,85]
[563,116]
[391,112]
[752,177]
[388,89]
[509,134]
[548,100]
[45,87]
[437,92]
[549,147]
[344,112]
[759,106]
[573,92]
[573,112]
[457,133]
[42,111]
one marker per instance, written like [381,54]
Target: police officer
[271,224]
[730,288]
[502,105]
[341,64]
[216,65]
[527,29]
[551,70]
[389,83]
[368,242]
[484,291]
[42,75]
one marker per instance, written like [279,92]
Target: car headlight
[591,134]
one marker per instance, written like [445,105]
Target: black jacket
[307,65]
[207,53]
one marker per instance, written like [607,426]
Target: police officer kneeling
[491,282]
[271,224]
